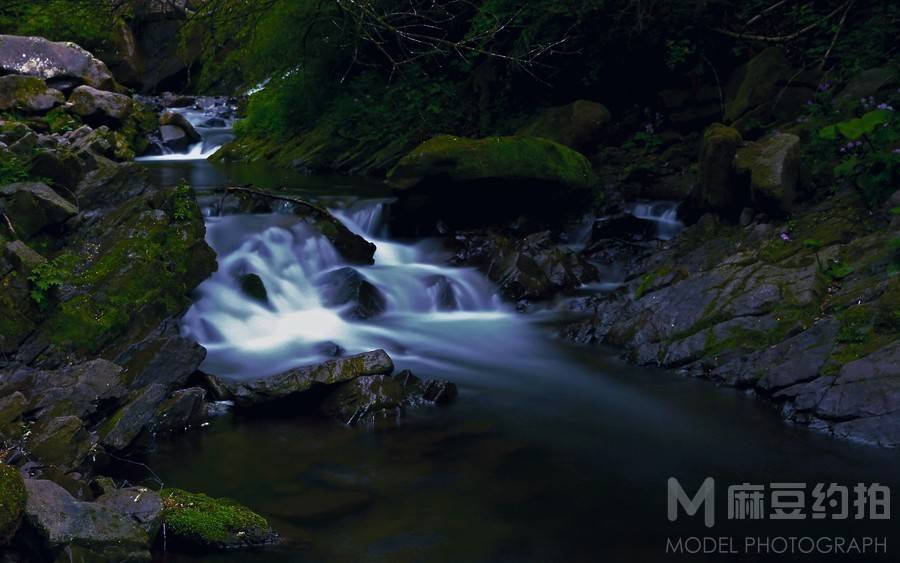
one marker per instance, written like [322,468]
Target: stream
[552,452]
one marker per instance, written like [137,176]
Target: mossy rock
[464,160]
[575,125]
[28,94]
[756,83]
[716,188]
[197,522]
[772,166]
[12,502]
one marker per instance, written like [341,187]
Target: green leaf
[853,129]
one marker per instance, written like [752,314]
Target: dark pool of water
[552,452]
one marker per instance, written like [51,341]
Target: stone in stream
[174,137]
[195,522]
[183,409]
[347,288]
[74,530]
[124,426]
[180,121]
[253,287]
[302,379]
[28,94]
[53,61]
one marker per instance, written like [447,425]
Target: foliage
[48,276]
[61,121]
[183,203]
[12,169]
[85,22]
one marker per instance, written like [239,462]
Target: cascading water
[663,213]
[247,338]
[213,118]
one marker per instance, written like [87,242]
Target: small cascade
[212,118]
[245,337]
[663,213]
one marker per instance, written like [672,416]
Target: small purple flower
[885,106]
[824,86]
[785,237]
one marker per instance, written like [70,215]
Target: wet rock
[716,187]
[164,357]
[140,504]
[623,226]
[868,387]
[83,531]
[180,121]
[576,125]
[63,442]
[253,287]
[174,138]
[772,166]
[35,56]
[442,294]
[196,522]
[27,94]
[98,107]
[33,207]
[347,288]
[299,380]
[371,399]
[12,502]
[127,423]
[183,409]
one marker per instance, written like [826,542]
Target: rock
[796,360]
[694,108]
[576,125]
[98,107]
[299,380]
[12,407]
[12,502]
[756,83]
[196,522]
[868,387]
[882,430]
[83,531]
[62,168]
[347,288]
[868,83]
[716,188]
[22,256]
[113,184]
[180,121]
[164,357]
[477,182]
[438,392]
[372,399]
[28,94]
[772,166]
[442,294]
[183,409]
[35,56]
[174,137]
[253,287]
[33,207]
[127,423]
[140,504]
[63,442]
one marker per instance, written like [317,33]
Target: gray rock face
[772,166]
[88,531]
[868,387]
[798,359]
[32,207]
[99,107]
[127,424]
[299,380]
[142,505]
[35,56]
[28,93]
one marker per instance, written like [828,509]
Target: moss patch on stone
[197,521]
[12,502]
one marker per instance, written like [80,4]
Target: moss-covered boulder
[523,159]
[12,502]
[756,82]
[100,107]
[27,94]
[576,125]
[772,167]
[716,187]
[53,61]
[477,182]
[196,522]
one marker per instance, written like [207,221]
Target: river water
[551,453]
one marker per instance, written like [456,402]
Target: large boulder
[29,94]
[99,107]
[33,207]
[52,61]
[772,166]
[716,187]
[477,182]
[249,393]
[83,531]
[174,138]
[179,120]
[12,502]
[576,125]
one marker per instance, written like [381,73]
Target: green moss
[648,280]
[60,121]
[196,520]
[509,158]
[12,501]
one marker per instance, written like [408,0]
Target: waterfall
[663,213]
[213,119]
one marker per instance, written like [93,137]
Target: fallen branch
[9,225]
[836,34]
[294,200]
[783,38]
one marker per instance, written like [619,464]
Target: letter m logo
[705,497]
